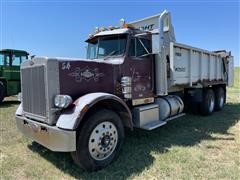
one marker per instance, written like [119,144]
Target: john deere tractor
[10,60]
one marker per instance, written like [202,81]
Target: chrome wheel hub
[103,140]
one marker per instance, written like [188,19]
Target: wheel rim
[211,104]
[103,140]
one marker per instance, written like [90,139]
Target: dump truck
[135,76]
[10,60]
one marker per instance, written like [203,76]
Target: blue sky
[59,28]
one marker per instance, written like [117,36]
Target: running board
[155,124]
[174,117]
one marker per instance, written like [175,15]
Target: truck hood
[78,77]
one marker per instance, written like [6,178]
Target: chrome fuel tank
[169,106]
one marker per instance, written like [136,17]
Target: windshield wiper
[110,54]
[144,55]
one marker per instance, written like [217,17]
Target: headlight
[62,101]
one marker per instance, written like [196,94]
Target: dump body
[190,65]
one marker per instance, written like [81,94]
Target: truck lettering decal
[178,54]
[86,74]
[66,65]
[139,88]
[135,75]
[180,69]
[147,27]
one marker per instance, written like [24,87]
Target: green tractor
[10,60]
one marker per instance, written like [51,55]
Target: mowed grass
[192,147]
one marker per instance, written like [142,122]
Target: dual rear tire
[212,100]
[220,98]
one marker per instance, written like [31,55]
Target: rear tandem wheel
[208,102]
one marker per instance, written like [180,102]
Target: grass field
[192,147]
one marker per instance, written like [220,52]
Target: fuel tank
[169,106]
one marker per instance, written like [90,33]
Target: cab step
[174,117]
[153,125]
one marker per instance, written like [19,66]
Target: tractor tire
[99,141]
[208,102]
[2,92]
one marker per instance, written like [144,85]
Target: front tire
[208,102]
[99,141]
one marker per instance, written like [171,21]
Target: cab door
[11,72]
[142,70]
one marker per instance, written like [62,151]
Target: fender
[19,111]
[70,119]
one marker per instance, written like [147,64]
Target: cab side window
[16,61]
[132,49]
[1,60]
[139,47]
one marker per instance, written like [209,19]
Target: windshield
[12,59]
[1,60]
[107,46]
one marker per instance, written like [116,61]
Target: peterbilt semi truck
[135,76]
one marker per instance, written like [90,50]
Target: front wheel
[99,141]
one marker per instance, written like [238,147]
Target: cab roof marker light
[102,29]
[96,29]
[121,23]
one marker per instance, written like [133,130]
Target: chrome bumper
[51,137]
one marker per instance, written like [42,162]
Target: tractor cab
[12,57]
[10,61]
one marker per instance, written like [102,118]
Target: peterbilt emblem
[86,74]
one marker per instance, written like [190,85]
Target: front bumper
[51,137]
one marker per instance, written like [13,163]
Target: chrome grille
[33,90]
